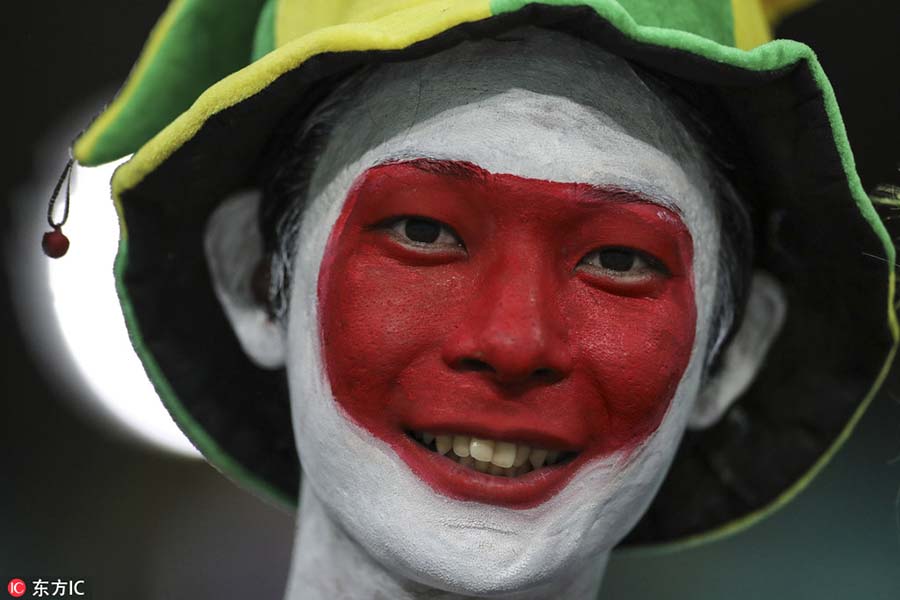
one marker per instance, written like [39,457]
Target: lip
[466,484]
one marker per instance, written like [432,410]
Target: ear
[234,250]
[745,354]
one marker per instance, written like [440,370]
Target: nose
[512,331]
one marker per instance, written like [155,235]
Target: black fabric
[809,234]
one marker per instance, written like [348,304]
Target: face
[470,315]
[499,313]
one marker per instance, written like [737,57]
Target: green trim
[264,40]
[711,19]
[772,56]
[214,454]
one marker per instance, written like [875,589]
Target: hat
[217,77]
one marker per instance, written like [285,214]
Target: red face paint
[508,326]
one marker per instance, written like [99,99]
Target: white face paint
[505,107]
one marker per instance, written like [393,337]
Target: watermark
[16,588]
[47,588]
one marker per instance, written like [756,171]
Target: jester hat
[218,77]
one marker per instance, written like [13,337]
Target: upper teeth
[496,457]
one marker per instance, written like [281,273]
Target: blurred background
[97,484]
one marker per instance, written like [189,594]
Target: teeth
[482,450]
[522,453]
[501,459]
[444,443]
[461,445]
[504,454]
[538,455]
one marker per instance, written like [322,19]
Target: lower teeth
[489,468]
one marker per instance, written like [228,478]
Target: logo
[16,588]
[48,588]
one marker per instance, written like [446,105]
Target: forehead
[545,138]
[543,106]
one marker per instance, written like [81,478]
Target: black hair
[287,165]
[701,112]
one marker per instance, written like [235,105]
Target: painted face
[498,255]
[468,315]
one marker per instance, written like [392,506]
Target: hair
[291,157]
[288,163]
[706,120]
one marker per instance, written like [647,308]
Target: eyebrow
[637,194]
[625,192]
[458,169]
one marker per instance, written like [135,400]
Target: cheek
[380,319]
[633,353]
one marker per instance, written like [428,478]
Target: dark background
[79,502]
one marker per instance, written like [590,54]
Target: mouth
[491,457]
[502,472]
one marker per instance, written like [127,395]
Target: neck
[326,564]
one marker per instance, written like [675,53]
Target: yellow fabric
[395,31]
[751,26]
[755,20]
[296,18]
[776,10]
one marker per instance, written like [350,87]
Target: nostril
[543,374]
[547,375]
[473,364]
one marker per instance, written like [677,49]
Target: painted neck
[327,564]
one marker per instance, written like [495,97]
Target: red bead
[55,243]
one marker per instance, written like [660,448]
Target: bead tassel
[55,243]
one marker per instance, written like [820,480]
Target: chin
[458,546]
[468,547]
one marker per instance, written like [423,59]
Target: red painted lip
[492,421]
[464,483]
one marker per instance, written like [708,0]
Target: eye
[424,233]
[623,264]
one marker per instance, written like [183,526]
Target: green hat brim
[838,343]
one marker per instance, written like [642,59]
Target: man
[508,270]
[526,265]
